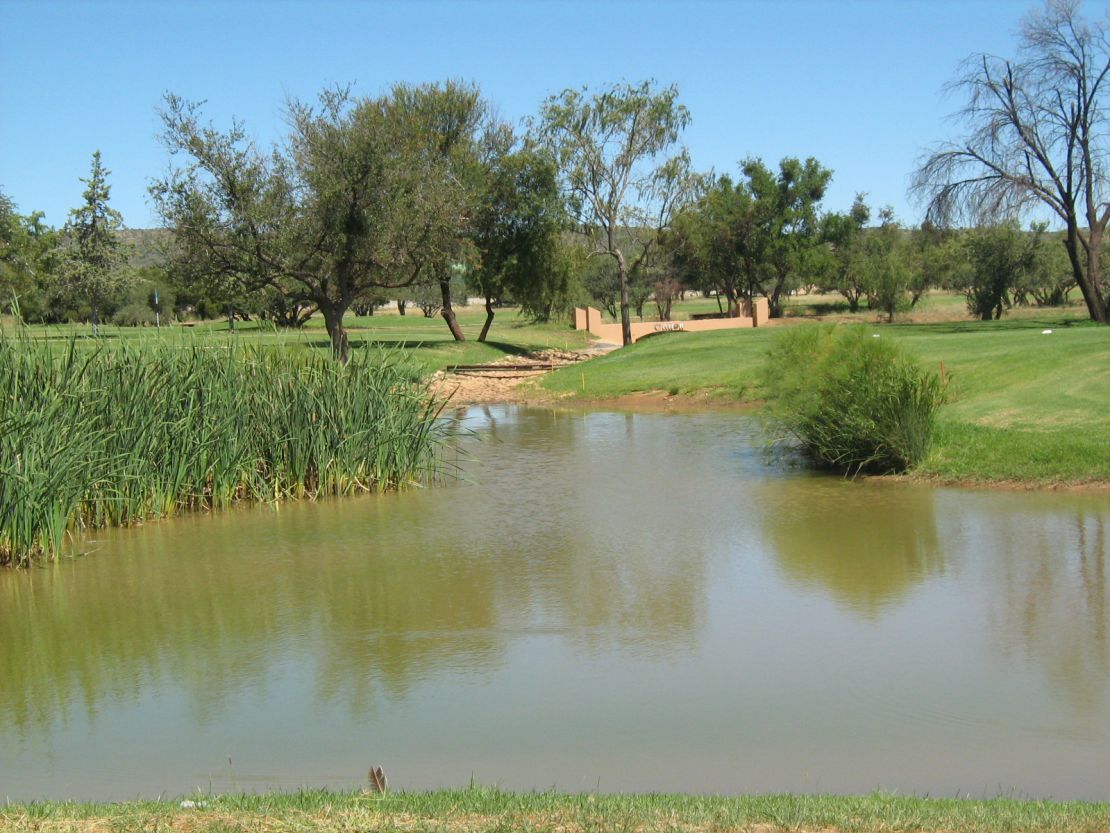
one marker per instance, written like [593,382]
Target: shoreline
[661,402]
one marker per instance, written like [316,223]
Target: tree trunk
[489,319]
[626,318]
[95,321]
[230,319]
[774,301]
[733,302]
[1097,306]
[400,307]
[448,311]
[333,320]
[1088,278]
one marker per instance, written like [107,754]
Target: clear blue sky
[859,85]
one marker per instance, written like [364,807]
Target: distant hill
[149,245]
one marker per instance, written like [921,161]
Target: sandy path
[467,387]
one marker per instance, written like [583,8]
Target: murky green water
[623,602]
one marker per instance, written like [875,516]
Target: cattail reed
[96,436]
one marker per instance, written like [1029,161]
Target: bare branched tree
[1038,137]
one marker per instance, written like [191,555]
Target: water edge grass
[113,433]
[482,809]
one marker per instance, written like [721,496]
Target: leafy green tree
[843,234]
[887,269]
[623,170]
[716,243]
[368,301]
[998,258]
[936,256]
[602,283]
[1037,137]
[1048,279]
[280,309]
[517,229]
[446,122]
[92,255]
[27,249]
[352,201]
[787,221]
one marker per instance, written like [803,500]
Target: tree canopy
[622,167]
[351,201]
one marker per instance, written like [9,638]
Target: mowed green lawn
[426,340]
[1023,405]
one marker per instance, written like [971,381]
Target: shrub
[854,402]
[134,315]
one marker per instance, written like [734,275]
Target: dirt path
[484,386]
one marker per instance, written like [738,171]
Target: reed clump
[852,400]
[96,436]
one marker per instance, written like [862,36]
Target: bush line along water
[104,435]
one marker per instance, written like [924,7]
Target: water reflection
[603,587]
[379,592]
[865,544]
[1051,606]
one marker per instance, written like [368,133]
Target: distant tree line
[423,197]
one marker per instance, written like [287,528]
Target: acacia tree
[716,244]
[447,122]
[622,167]
[516,230]
[843,234]
[785,209]
[1037,137]
[998,257]
[348,203]
[92,254]
[885,265]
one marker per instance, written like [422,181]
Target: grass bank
[475,810]
[1024,406]
[111,434]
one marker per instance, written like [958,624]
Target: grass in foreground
[476,810]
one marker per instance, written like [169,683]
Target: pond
[609,601]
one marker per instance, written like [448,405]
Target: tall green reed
[104,435]
[851,400]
